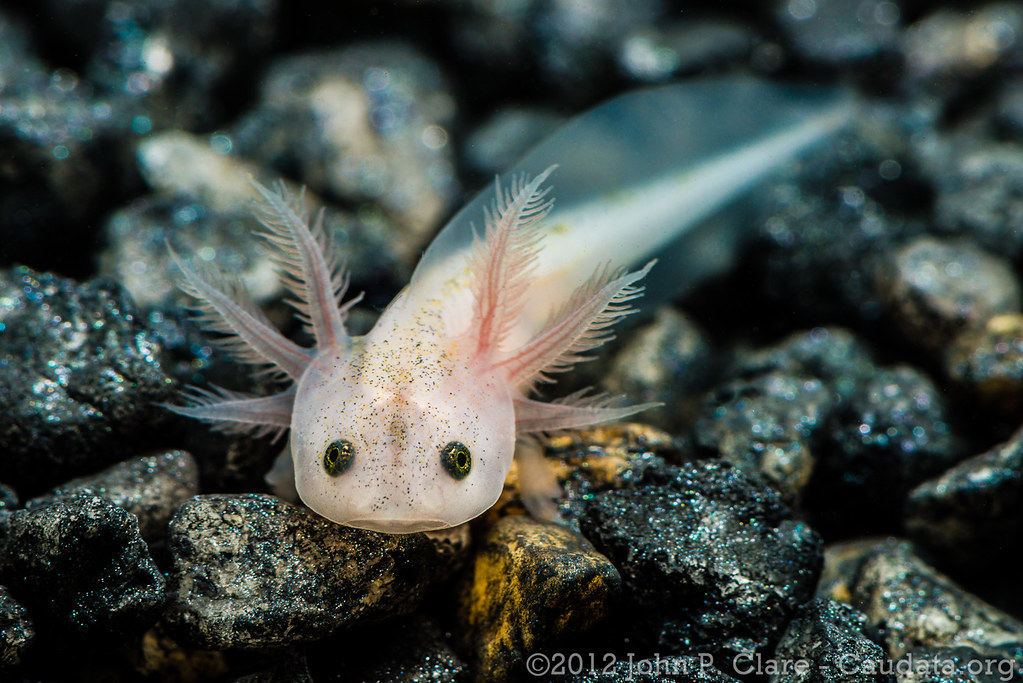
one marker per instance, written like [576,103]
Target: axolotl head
[400,436]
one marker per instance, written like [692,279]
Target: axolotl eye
[456,459]
[338,457]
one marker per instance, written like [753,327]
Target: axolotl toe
[413,426]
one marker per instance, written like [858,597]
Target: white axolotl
[413,426]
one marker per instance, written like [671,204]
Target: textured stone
[767,423]
[829,636]
[252,571]
[81,567]
[150,488]
[78,376]
[709,559]
[16,629]
[890,435]
[531,584]
[973,510]
[988,362]
[912,604]
[937,288]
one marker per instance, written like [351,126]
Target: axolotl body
[413,426]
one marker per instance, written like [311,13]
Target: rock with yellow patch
[530,584]
[988,362]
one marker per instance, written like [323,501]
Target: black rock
[980,194]
[668,361]
[150,488]
[974,509]
[890,436]
[953,665]
[822,236]
[608,457]
[987,363]
[79,374]
[833,354]
[81,568]
[933,289]
[709,560]
[767,424]
[828,638]
[911,605]
[252,571]
[64,147]
[408,651]
[164,59]
[16,629]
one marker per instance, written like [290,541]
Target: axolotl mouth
[398,526]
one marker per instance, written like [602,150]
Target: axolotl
[413,426]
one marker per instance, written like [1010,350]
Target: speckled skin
[401,397]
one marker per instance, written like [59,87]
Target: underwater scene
[511,340]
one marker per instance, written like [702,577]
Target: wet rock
[912,604]
[175,52]
[833,354]
[665,361]
[840,32]
[150,488]
[948,45]
[829,636]
[81,567]
[411,650]
[709,559]
[655,52]
[891,435]
[988,362]
[530,584]
[936,288]
[252,571]
[369,122]
[952,665]
[980,194]
[79,374]
[614,456]
[62,147]
[767,424]
[820,243]
[16,629]
[974,508]
[221,232]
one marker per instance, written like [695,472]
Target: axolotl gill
[413,426]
